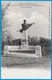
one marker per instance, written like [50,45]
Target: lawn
[25,62]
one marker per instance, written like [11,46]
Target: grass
[21,62]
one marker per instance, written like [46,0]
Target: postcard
[26,40]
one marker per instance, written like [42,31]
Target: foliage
[42,41]
[32,41]
[6,33]
[45,44]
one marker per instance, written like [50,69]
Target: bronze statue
[25,26]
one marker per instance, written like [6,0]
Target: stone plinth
[23,51]
[24,39]
[38,51]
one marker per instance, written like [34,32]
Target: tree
[4,9]
[6,34]
[32,40]
[45,42]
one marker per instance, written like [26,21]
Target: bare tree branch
[4,8]
[6,34]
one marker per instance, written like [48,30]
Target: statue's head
[24,21]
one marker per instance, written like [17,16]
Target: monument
[24,50]
[25,26]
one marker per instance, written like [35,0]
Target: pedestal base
[38,51]
[23,51]
[24,42]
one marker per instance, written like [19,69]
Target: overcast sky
[37,12]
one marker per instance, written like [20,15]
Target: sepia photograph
[26,40]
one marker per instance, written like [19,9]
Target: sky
[37,12]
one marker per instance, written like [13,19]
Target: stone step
[21,48]
[12,54]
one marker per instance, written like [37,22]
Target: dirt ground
[21,62]
[14,67]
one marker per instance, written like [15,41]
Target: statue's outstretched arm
[29,25]
[32,23]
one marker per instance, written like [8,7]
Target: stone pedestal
[23,51]
[6,50]
[24,39]
[38,51]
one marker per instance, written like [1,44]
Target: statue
[25,26]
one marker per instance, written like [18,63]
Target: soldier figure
[25,26]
